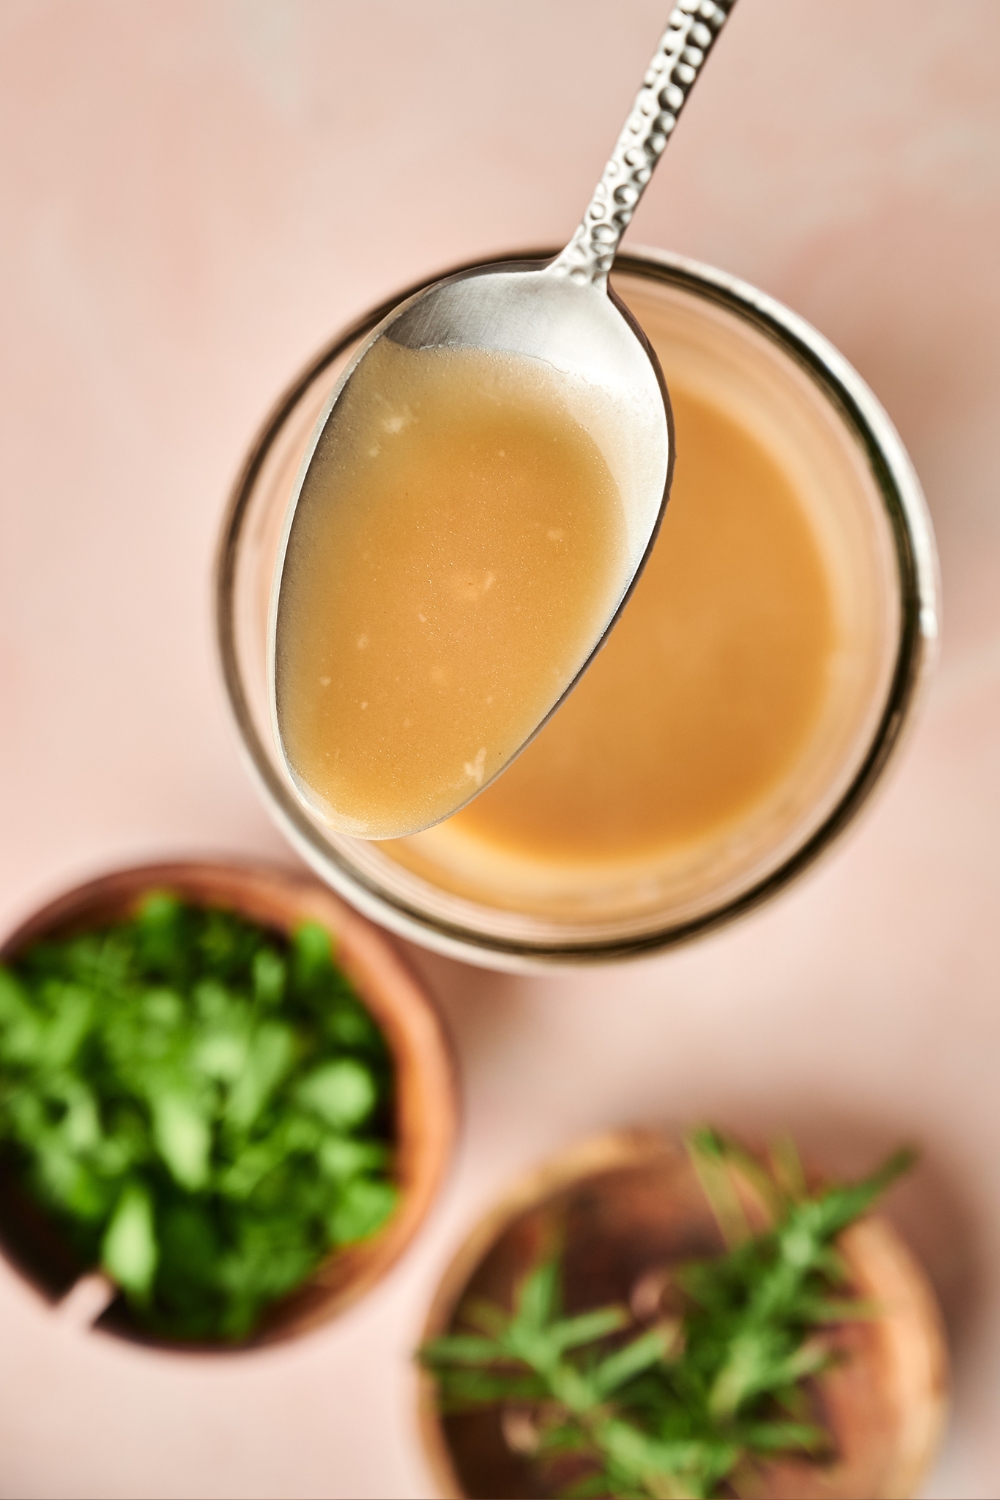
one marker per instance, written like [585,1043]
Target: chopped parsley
[202,1105]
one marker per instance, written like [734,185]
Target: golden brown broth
[706,692]
[452,561]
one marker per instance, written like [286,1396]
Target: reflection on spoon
[478,499]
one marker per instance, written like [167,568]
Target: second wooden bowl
[627,1203]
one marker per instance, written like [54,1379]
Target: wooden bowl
[627,1203]
[425,1102]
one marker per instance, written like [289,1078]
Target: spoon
[564,318]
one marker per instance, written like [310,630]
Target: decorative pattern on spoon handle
[691,32]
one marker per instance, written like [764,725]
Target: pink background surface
[194,197]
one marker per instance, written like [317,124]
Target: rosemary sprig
[676,1410]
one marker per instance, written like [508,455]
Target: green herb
[203,1106]
[694,1402]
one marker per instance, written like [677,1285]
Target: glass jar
[792,388]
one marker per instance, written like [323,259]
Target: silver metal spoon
[566,315]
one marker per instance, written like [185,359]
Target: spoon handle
[690,35]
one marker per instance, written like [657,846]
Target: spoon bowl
[560,319]
[611,386]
